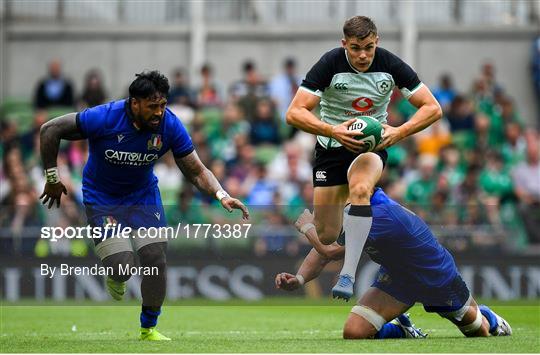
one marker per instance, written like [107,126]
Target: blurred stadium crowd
[474,175]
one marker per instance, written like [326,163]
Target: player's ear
[377,40]
[135,104]
[344,42]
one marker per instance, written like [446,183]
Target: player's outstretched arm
[63,127]
[299,115]
[428,112]
[310,269]
[200,176]
[305,225]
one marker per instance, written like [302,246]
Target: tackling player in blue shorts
[414,268]
[126,138]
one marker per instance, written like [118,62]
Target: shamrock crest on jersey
[384,86]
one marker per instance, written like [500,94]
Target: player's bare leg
[153,289]
[363,174]
[116,282]
[371,317]
[328,203]
[479,321]
[115,253]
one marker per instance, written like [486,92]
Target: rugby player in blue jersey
[414,268]
[126,138]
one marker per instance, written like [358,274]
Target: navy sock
[490,316]
[149,316]
[389,331]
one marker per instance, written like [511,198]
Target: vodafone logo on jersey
[362,104]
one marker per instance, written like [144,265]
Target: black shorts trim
[331,165]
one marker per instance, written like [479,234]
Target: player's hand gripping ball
[372,132]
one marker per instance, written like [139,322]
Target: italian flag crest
[155,142]
[109,221]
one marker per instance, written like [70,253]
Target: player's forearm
[206,182]
[49,143]
[304,120]
[424,117]
[332,251]
[50,134]
[312,265]
[198,174]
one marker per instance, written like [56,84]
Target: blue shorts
[447,298]
[138,209]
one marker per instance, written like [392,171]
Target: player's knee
[153,255]
[362,323]
[125,260]
[357,331]
[360,190]
[327,234]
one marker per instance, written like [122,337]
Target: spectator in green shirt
[420,190]
[514,146]
[493,179]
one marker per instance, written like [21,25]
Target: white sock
[356,223]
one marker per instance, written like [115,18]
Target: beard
[146,126]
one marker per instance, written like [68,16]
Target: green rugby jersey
[347,93]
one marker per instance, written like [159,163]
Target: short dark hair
[359,27]
[248,66]
[148,84]
[289,62]
[179,72]
[206,68]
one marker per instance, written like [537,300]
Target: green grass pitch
[275,325]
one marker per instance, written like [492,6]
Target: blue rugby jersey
[121,157]
[404,245]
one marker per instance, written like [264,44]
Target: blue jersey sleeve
[92,121]
[181,144]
